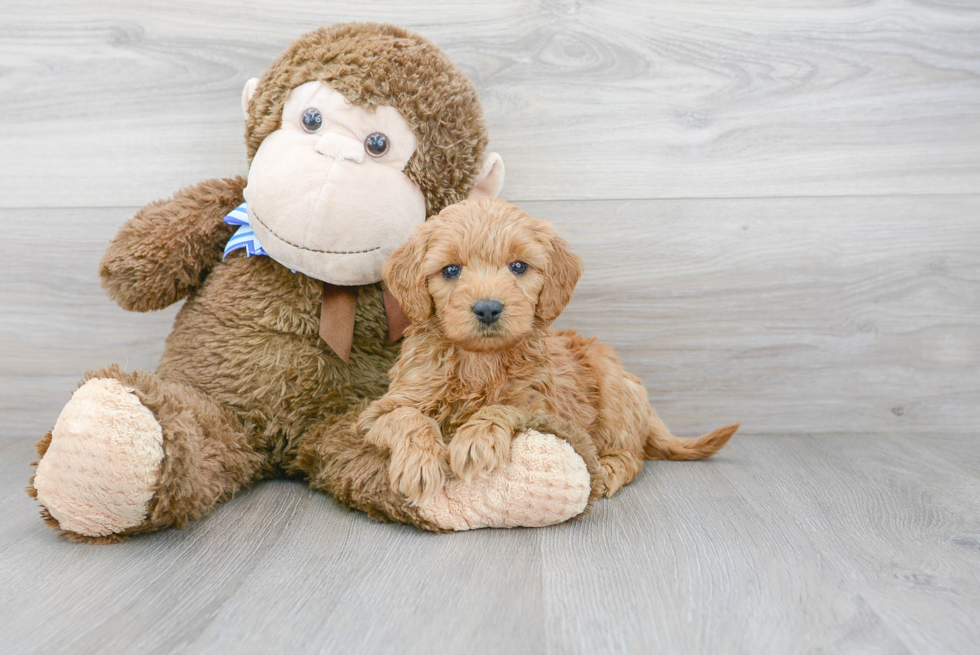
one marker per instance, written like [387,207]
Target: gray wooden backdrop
[777,202]
[779,208]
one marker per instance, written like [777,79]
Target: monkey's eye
[376,144]
[312,120]
[451,272]
[517,268]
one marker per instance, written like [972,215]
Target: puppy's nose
[488,311]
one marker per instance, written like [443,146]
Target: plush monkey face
[356,133]
[327,193]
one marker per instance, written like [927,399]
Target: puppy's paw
[544,483]
[418,473]
[615,471]
[478,448]
[608,482]
[601,489]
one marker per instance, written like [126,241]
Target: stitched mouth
[296,245]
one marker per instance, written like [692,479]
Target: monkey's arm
[164,252]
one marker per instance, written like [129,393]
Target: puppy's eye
[376,144]
[451,272]
[312,120]
[517,268]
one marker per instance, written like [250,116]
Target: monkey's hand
[165,251]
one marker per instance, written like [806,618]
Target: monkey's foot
[103,462]
[544,483]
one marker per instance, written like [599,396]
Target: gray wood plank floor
[778,545]
[778,204]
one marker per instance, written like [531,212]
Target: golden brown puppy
[482,283]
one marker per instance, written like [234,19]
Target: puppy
[482,283]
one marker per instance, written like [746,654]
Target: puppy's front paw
[418,473]
[544,483]
[478,448]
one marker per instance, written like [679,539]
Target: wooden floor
[778,204]
[836,543]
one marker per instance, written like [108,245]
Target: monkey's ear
[491,178]
[560,278]
[404,276]
[248,92]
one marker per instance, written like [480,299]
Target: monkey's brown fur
[246,389]
[462,389]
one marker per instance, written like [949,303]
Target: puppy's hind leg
[617,470]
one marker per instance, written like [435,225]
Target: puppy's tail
[661,444]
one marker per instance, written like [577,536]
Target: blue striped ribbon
[243,237]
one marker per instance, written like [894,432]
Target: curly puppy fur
[463,386]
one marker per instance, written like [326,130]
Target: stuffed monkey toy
[355,134]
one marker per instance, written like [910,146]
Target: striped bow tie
[244,236]
[339,303]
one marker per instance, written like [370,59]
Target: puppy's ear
[404,277]
[560,279]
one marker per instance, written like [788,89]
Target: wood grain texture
[115,103]
[779,208]
[855,536]
[56,321]
[790,315]
[903,519]
[778,544]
